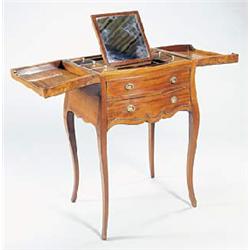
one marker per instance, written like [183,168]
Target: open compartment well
[96,63]
[201,57]
[52,78]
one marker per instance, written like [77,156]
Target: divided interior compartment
[97,64]
[85,64]
[201,57]
[51,78]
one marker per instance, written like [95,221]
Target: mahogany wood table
[106,96]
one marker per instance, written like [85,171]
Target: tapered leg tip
[104,237]
[73,199]
[193,200]
[194,203]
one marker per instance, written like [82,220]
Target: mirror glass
[122,38]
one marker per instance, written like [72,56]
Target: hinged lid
[121,38]
[52,78]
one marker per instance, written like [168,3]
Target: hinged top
[60,76]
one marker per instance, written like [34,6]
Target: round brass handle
[174,99]
[173,79]
[131,108]
[129,86]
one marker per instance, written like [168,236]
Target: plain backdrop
[144,213]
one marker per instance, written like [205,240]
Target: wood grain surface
[111,96]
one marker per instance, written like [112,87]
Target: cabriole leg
[70,129]
[194,120]
[102,146]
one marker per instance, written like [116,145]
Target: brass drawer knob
[129,86]
[131,108]
[173,79]
[174,99]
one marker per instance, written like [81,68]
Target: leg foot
[193,201]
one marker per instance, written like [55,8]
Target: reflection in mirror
[122,38]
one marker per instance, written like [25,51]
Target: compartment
[201,57]
[97,65]
[90,64]
[51,78]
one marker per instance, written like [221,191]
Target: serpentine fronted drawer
[148,109]
[149,82]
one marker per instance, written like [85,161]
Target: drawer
[149,109]
[151,82]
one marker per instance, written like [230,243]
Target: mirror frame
[102,45]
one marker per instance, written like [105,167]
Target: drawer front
[148,109]
[150,83]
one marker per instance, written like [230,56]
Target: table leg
[151,138]
[194,120]
[70,129]
[102,146]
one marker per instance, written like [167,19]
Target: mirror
[121,37]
